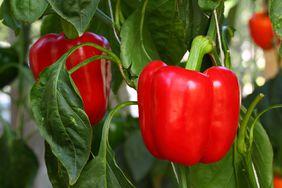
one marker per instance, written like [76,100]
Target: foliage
[19,164]
[78,155]
[272,120]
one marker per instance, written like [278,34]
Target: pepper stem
[201,46]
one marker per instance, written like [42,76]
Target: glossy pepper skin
[261,30]
[187,116]
[93,80]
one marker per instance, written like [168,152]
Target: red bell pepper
[187,116]
[92,80]
[277,182]
[261,30]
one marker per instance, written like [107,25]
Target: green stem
[215,58]
[23,49]
[117,13]
[250,172]
[218,30]
[227,32]
[246,152]
[212,35]
[242,148]
[111,55]
[257,118]
[212,28]
[106,127]
[200,46]
[174,171]
[89,60]
[121,17]
[183,177]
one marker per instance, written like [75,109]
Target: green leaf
[262,156]
[129,6]
[276,15]
[167,29]
[137,47]
[19,164]
[209,5]
[56,171]
[97,173]
[78,13]
[28,10]
[216,175]
[275,7]
[195,20]
[69,30]
[58,111]
[170,25]
[103,172]
[8,18]
[8,66]
[136,151]
[271,120]
[51,24]
[112,164]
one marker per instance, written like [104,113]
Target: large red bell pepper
[92,80]
[187,116]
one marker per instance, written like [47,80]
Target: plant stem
[212,34]
[117,14]
[174,171]
[23,49]
[106,126]
[250,172]
[110,55]
[89,60]
[183,177]
[200,46]
[225,32]
[257,118]
[218,28]
[113,22]
[212,28]
[215,58]
[242,148]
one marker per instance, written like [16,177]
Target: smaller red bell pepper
[93,80]
[261,30]
[277,182]
[187,116]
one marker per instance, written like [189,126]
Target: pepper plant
[190,116]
